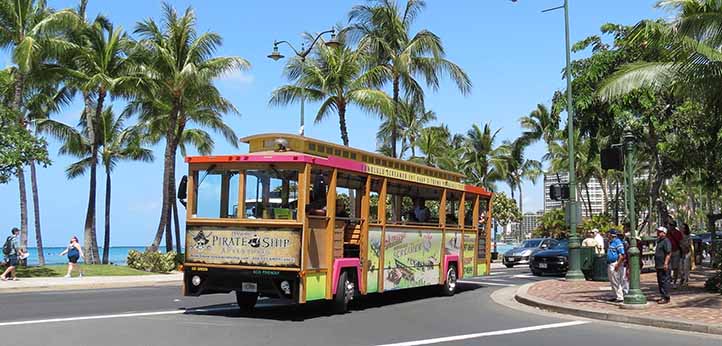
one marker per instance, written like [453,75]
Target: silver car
[520,254]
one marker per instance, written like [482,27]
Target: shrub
[152,261]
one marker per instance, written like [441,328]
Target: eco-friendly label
[411,258]
[267,247]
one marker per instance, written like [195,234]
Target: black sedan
[551,261]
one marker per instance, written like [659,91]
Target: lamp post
[574,273]
[635,297]
[276,55]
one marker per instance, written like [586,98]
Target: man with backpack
[12,253]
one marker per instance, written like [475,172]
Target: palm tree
[101,65]
[117,143]
[412,119]
[518,168]
[43,98]
[385,30]
[483,163]
[335,76]
[30,30]
[181,69]
[434,142]
[541,124]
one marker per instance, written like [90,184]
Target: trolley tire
[341,300]
[449,286]
[246,301]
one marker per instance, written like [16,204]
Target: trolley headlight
[196,280]
[286,287]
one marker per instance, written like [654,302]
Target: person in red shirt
[675,237]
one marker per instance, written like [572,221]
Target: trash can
[586,255]
[600,268]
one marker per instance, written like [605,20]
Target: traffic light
[559,192]
[612,159]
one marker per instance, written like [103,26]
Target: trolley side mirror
[183,191]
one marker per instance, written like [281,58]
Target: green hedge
[154,261]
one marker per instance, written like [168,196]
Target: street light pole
[574,273]
[275,55]
[635,297]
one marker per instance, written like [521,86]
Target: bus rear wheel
[246,301]
[449,287]
[344,294]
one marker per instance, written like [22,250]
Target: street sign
[612,159]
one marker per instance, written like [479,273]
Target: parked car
[520,254]
[554,260]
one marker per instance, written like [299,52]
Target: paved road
[159,316]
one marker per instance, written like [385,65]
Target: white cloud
[238,78]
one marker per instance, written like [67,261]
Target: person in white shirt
[600,241]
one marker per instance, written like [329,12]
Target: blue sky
[513,53]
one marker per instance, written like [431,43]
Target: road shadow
[270,309]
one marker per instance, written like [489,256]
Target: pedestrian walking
[686,251]
[74,252]
[675,237]
[12,253]
[662,257]
[615,265]
[625,263]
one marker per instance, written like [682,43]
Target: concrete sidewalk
[89,282]
[691,309]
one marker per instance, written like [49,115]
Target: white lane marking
[523,276]
[481,335]
[101,317]
[485,283]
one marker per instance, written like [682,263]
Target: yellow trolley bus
[306,220]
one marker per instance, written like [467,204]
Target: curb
[89,286]
[522,296]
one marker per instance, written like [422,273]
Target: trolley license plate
[249,287]
[543,265]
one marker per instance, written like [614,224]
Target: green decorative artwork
[469,240]
[411,258]
[374,250]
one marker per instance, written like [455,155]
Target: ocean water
[117,255]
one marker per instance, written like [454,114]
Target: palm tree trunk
[342,123]
[106,239]
[589,199]
[23,208]
[168,172]
[36,210]
[394,130]
[17,104]
[91,240]
[605,198]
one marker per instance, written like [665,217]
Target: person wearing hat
[662,257]
[615,266]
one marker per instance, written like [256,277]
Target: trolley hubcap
[451,279]
[349,290]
